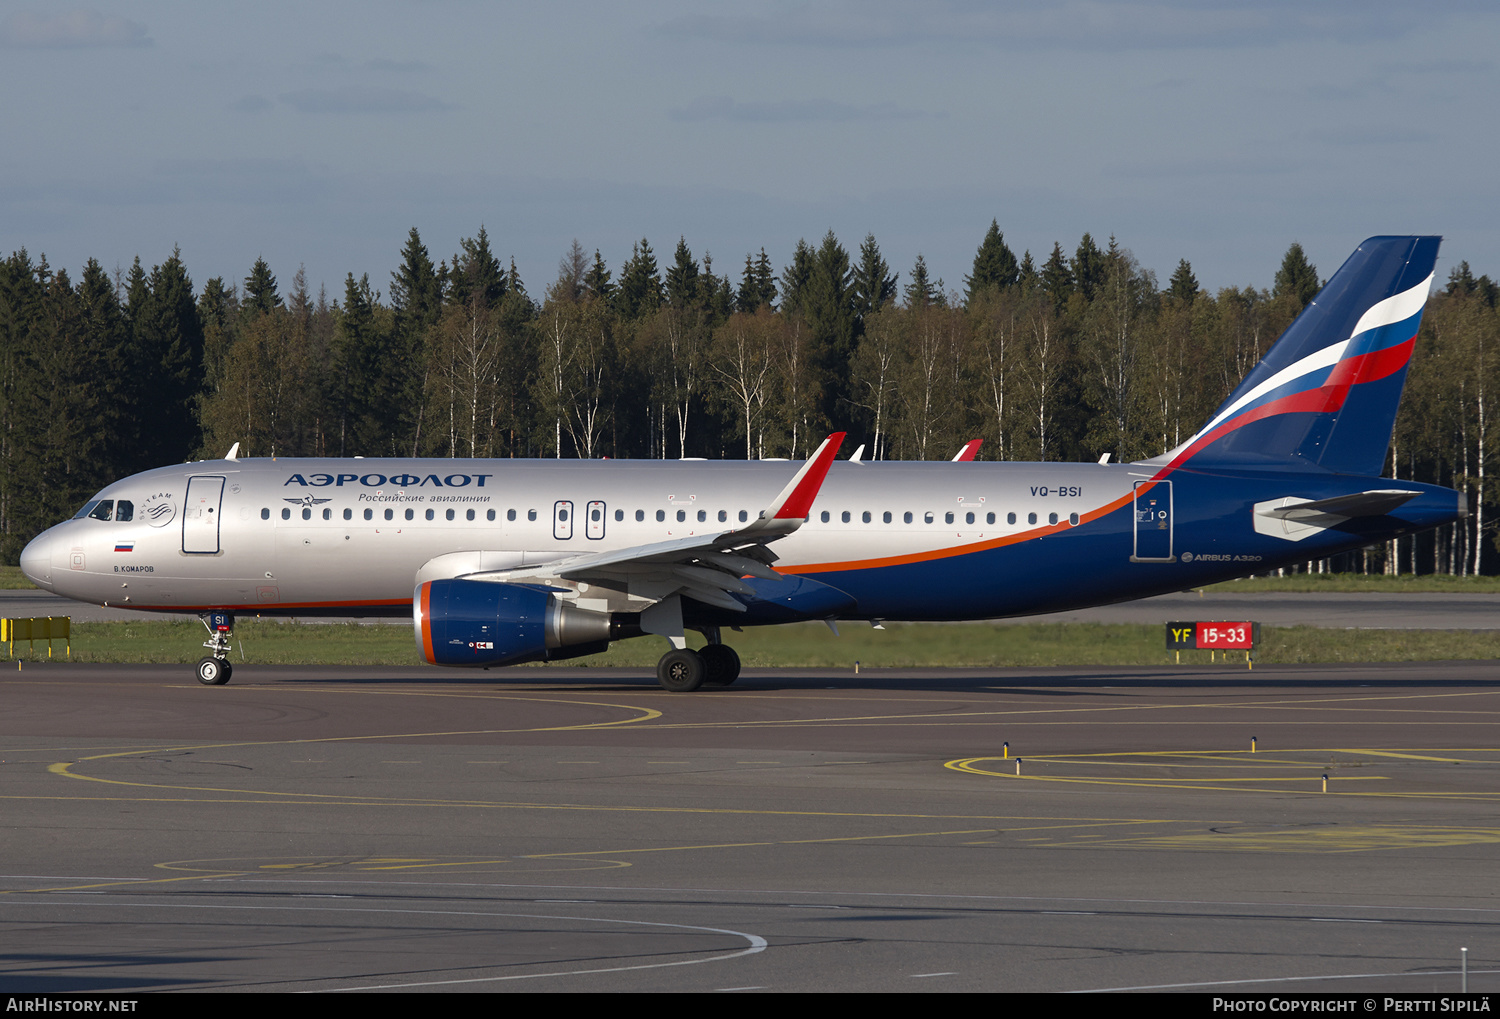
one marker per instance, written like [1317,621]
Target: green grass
[1432,583]
[799,645]
[12,579]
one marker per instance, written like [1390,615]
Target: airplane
[508,561]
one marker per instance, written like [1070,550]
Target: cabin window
[369,514]
[825,516]
[124,510]
[1051,518]
[724,516]
[906,517]
[989,518]
[490,514]
[390,514]
[1031,518]
[619,515]
[968,518]
[306,513]
[640,515]
[469,514]
[947,518]
[531,514]
[865,516]
[327,513]
[928,517]
[844,516]
[661,515]
[265,513]
[286,513]
[450,514]
[744,516]
[681,515]
[1010,518]
[429,514]
[1073,519]
[411,514]
[103,510]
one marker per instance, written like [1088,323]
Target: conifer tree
[1056,278]
[1088,268]
[260,290]
[747,298]
[682,278]
[597,283]
[873,289]
[640,290]
[1027,277]
[1183,285]
[1297,277]
[794,278]
[920,292]
[765,280]
[477,272]
[995,264]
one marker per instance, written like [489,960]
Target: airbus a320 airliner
[506,561]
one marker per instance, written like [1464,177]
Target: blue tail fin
[1326,393]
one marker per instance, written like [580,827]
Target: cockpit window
[88,508]
[124,510]
[103,510]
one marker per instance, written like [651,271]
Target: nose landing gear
[215,670]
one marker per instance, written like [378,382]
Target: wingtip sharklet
[796,499]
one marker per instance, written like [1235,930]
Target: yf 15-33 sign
[1213,636]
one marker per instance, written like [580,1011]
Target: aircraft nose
[36,560]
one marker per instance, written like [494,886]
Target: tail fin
[1326,393]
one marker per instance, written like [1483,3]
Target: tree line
[1066,358]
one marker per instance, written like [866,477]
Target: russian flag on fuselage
[1326,393]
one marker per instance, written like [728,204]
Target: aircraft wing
[706,567]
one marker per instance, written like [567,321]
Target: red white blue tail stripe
[1326,394]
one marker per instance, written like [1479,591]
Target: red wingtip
[799,503]
[969,452]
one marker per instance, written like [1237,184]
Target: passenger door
[200,515]
[1153,522]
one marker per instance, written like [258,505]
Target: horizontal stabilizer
[1292,519]
[1361,504]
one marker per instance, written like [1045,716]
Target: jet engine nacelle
[482,623]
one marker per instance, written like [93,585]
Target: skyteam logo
[159,509]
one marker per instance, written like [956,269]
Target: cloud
[788,111]
[1073,24]
[251,104]
[361,99]
[74,30]
[400,66]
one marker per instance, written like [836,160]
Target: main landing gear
[215,670]
[683,670]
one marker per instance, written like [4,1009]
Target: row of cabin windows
[948,518]
[125,510]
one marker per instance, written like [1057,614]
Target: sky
[319,134]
